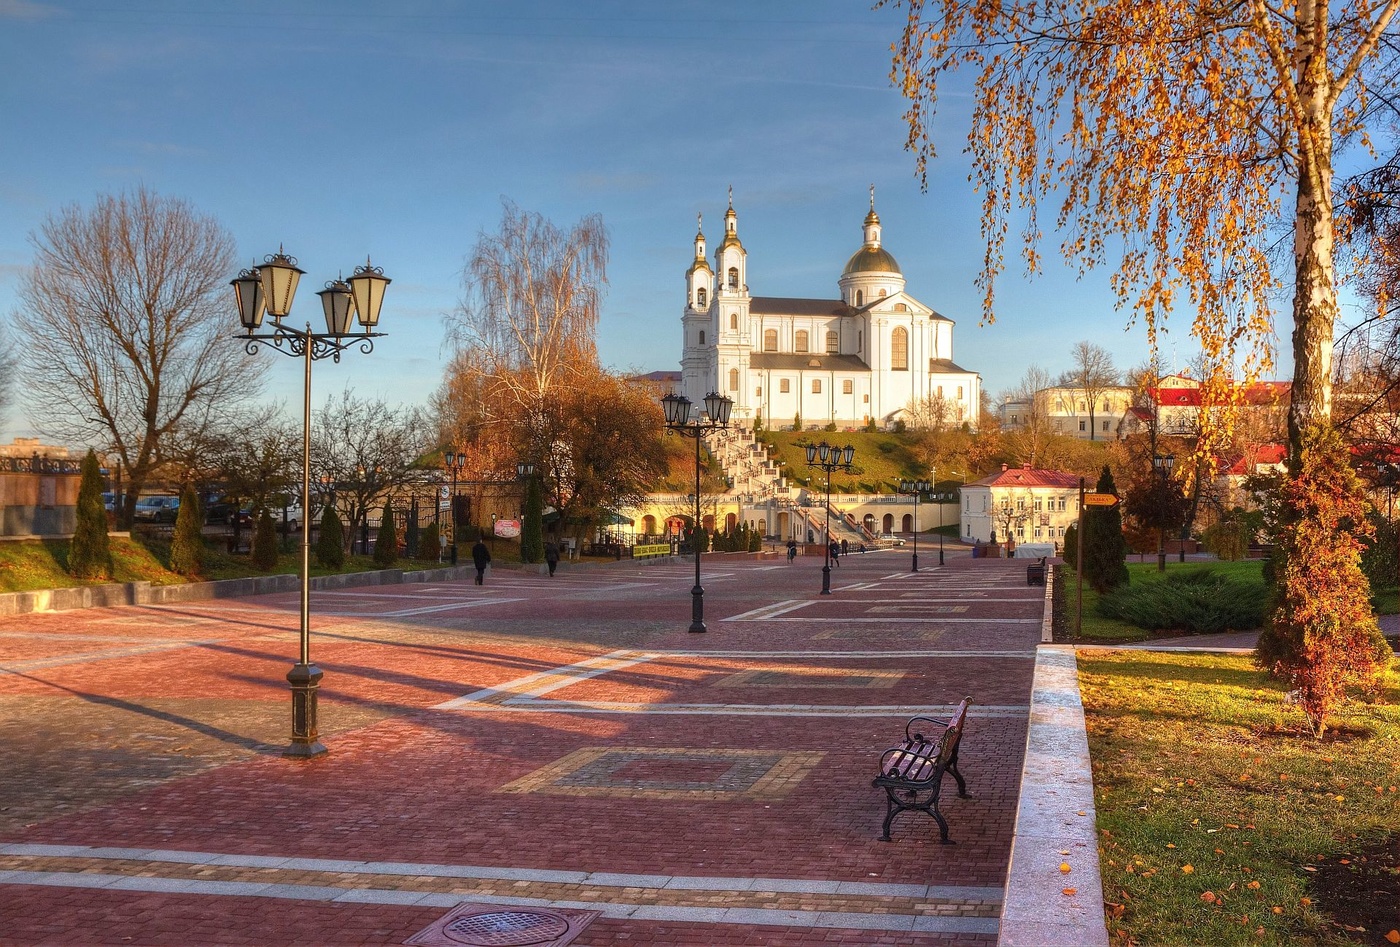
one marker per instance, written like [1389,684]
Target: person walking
[835,551]
[792,549]
[480,557]
[845,547]
[551,557]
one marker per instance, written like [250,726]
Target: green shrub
[89,556]
[1071,545]
[532,525]
[386,541]
[430,547]
[264,552]
[187,545]
[1228,539]
[1105,549]
[330,545]
[412,536]
[1379,559]
[1198,601]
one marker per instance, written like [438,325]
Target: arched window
[733,320]
[700,298]
[800,341]
[833,342]
[702,336]
[770,340]
[860,298]
[882,294]
[734,379]
[899,349]
[733,277]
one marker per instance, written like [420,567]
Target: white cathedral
[870,354]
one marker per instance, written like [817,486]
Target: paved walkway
[552,743]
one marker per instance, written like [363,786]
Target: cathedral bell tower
[697,350]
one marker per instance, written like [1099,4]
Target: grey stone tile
[863,922]
[322,864]
[250,861]
[875,889]
[62,879]
[964,925]
[794,885]
[377,896]
[692,915]
[621,880]
[302,892]
[55,851]
[712,884]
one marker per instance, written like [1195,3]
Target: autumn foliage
[1322,636]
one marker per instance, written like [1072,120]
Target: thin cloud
[26,10]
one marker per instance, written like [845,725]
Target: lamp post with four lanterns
[678,421]
[916,488]
[454,463]
[268,290]
[829,457]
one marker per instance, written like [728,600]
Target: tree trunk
[1315,289]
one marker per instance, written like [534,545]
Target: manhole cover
[486,925]
[507,929]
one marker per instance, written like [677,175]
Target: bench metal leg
[894,806]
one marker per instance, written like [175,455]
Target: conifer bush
[1322,637]
[264,552]
[431,545]
[89,554]
[330,544]
[1105,549]
[386,541]
[531,527]
[412,535]
[187,545]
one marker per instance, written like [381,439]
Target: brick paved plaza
[536,742]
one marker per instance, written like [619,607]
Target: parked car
[294,517]
[220,510]
[157,509]
[892,538]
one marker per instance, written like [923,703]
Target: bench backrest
[948,745]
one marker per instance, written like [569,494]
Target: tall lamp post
[829,458]
[268,290]
[1163,466]
[678,421]
[914,488]
[454,463]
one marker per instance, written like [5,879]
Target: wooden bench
[912,773]
[1035,572]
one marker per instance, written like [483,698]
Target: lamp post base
[306,742]
[697,609]
[826,580]
[916,562]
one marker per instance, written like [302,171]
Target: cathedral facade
[874,353]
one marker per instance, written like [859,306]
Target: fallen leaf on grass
[1187,869]
[1208,897]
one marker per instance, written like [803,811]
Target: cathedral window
[899,307]
[734,379]
[833,343]
[860,298]
[734,320]
[702,337]
[700,298]
[847,386]
[733,277]
[899,349]
[882,294]
[784,386]
[960,391]
[770,340]
[816,386]
[800,341]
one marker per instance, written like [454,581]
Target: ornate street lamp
[454,463]
[678,421]
[1163,466]
[269,290]
[915,488]
[829,457]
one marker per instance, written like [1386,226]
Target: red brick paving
[408,783]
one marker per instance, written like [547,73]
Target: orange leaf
[1064,868]
[1252,884]
[1069,891]
[1187,869]
[1393,937]
[1208,897]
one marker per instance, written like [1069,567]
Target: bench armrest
[911,734]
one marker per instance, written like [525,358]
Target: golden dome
[870,259]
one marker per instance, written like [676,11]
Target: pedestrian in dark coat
[480,557]
[551,557]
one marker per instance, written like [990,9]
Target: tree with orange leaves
[1180,133]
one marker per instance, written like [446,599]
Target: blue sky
[393,130]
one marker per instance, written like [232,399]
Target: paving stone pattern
[546,742]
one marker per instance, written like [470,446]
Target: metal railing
[40,465]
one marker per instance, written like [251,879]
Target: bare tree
[125,312]
[928,413]
[361,450]
[1092,374]
[1029,439]
[7,373]
[527,322]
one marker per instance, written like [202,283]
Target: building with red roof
[1030,504]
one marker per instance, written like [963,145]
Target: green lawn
[1214,811]
[881,459]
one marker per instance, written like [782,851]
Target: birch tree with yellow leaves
[1178,143]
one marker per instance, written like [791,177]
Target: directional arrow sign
[1099,499]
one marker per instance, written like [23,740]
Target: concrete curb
[1055,816]
[143,593]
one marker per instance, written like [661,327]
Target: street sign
[1099,499]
